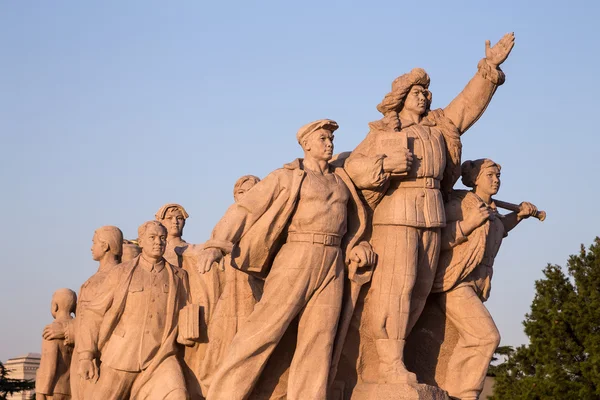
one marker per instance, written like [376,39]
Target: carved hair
[393,102]
[160,214]
[143,227]
[470,170]
[112,236]
[240,182]
[65,299]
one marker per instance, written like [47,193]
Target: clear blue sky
[111,109]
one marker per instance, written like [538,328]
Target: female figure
[470,242]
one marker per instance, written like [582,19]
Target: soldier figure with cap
[419,152]
[291,227]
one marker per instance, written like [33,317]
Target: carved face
[319,145]
[174,221]
[416,100]
[488,181]
[99,248]
[154,241]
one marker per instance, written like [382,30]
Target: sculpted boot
[391,366]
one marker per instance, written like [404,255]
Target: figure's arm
[89,326]
[183,335]
[47,371]
[237,220]
[511,220]
[458,231]
[371,170]
[470,104]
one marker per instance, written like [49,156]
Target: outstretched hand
[498,53]
[207,258]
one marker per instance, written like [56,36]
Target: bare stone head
[173,217]
[108,239]
[63,301]
[130,250]
[483,175]
[242,185]
[316,139]
[152,238]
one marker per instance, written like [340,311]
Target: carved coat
[265,212]
[103,313]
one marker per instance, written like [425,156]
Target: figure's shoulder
[180,272]
[464,199]
[117,272]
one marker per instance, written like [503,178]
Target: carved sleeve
[70,332]
[92,315]
[470,104]
[46,373]
[452,234]
[365,167]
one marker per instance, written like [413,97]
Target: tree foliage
[9,386]
[562,360]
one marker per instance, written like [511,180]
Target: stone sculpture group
[355,276]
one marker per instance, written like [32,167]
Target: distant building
[23,367]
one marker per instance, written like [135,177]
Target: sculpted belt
[315,238]
[429,183]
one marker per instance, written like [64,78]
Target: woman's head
[401,88]
[107,239]
[482,175]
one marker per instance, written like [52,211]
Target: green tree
[10,386]
[562,360]
[495,369]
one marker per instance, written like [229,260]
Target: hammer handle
[541,215]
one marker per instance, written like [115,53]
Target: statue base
[374,391]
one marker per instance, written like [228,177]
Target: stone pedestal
[372,391]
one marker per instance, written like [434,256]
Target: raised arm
[237,220]
[470,104]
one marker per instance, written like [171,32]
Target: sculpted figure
[52,377]
[418,149]
[242,185]
[173,217]
[470,242]
[205,290]
[238,297]
[295,222]
[132,326]
[107,249]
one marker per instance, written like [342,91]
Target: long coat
[255,225]
[102,315]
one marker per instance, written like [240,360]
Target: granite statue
[419,152]
[107,249]
[131,327]
[53,378]
[470,241]
[291,229]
